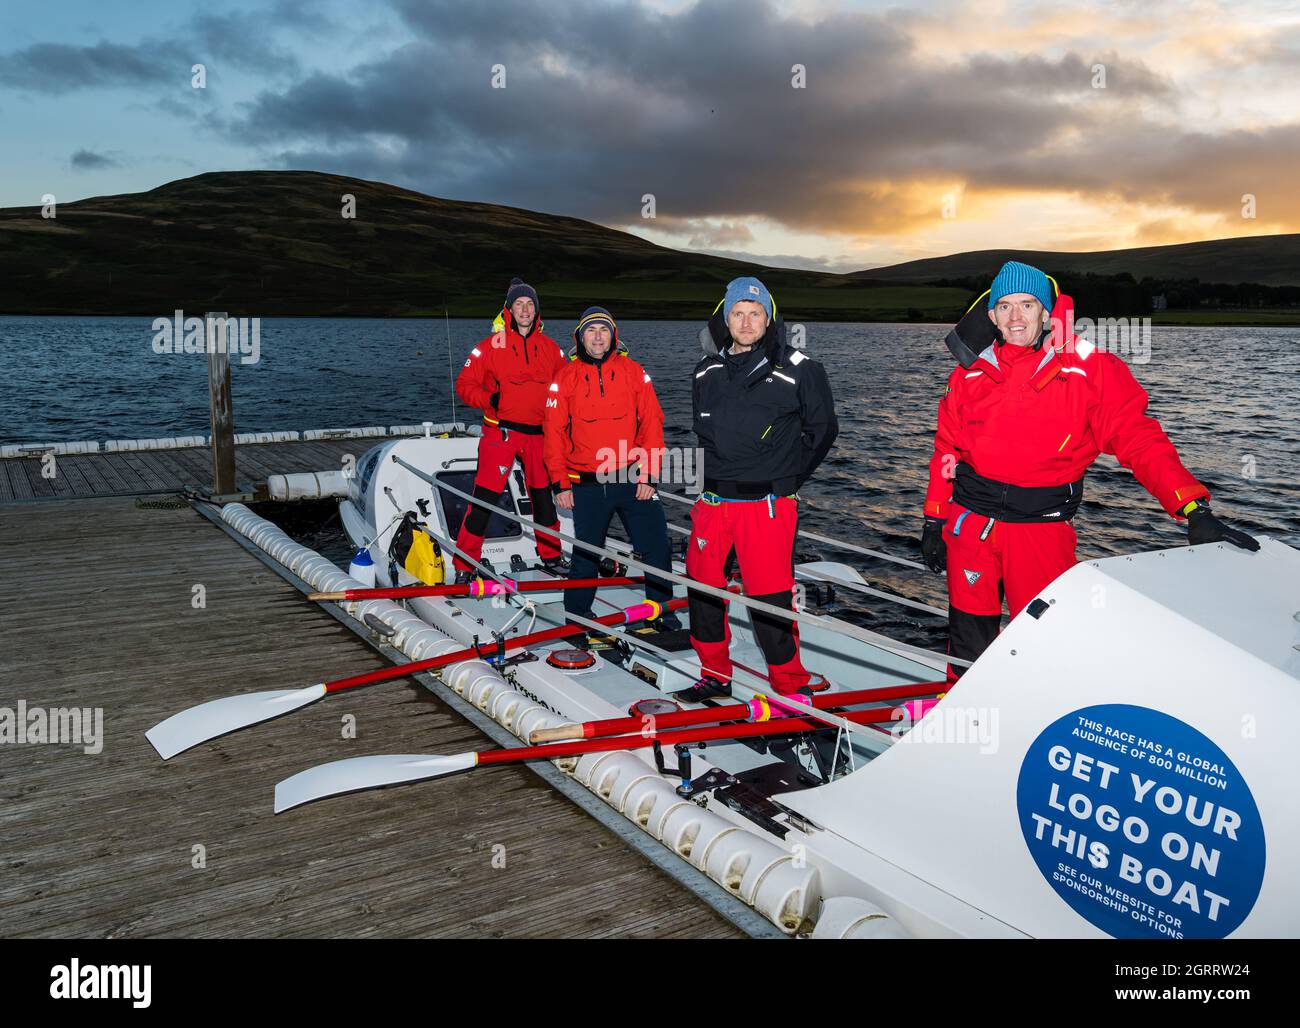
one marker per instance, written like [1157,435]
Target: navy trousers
[594,507]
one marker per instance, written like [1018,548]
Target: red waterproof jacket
[517,369]
[602,416]
[1035,418]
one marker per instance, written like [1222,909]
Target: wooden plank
[107,465]
[92,467]
[145,464]
[18,483]
[59,483]
[124,465]
[255,463]
[39,486]
[19,487]
[195,461]
[301,457]
[102,844]
[147,471]
[71,467]
[169,469]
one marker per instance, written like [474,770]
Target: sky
[819,134]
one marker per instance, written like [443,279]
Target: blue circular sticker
[1141,824]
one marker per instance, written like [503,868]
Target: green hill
[265,243]
[1268,260]
[274,243]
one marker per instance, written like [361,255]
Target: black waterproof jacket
[764,423]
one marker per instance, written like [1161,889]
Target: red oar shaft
[736,711]
[752,729]
[633,613]
[476,589]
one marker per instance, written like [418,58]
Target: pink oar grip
[649,609]
[779,709]
[481,587]
[914,710]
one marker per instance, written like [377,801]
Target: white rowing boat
[1116,764]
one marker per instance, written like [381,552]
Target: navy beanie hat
[595,316]
[518,288]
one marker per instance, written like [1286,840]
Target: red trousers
[497,451]
[763,538]
[1015,559]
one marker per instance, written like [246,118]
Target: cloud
[705,235]
[605,102]
[240,39]
[57,68]
[987,106]
[88,160]
[303,15]
[237,39]
[799,262]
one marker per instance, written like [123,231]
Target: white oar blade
[360,773]
[228,714]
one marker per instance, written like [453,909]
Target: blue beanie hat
[594,316]
[1021,278]
[518,288]
[747,289]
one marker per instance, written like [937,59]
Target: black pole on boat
[451,367]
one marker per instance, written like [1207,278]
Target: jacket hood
[615,349]
[1056,345]
[975,333]
[616,345]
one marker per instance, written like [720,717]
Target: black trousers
[594,507]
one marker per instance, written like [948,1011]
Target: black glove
[495,400]
[1204,527]
[934,551]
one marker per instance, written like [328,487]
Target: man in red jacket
[1019,426]
[604,432]
[506,376]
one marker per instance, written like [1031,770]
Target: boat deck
[96,603]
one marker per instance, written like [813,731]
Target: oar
[475,589]
[760,708]
[231,713]
[358,773]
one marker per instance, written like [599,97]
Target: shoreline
[1162,319]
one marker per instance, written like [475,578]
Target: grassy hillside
[274,243]
[266,243]
[1269,260]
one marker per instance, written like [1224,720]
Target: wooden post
[222,404]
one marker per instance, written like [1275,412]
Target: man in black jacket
[765,418]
